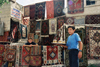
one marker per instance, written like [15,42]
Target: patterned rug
[45,27]
[35,50]
[40,10]
[20,56]
[32,26]
[93,41]
[25,55]
[79,21]
[60,22]
[69,20]
[51,55]
[75,6]
[2,48]
[26,11]
[35,61]
[31,35]
[50,9]
[5,36]
[23,31]
[92,19]
[9,55]
[58,8]
[47,40]
[38,26]
[17,56]
[14,26]
[32,12]
[52,26]
[58,65]
[1,61]
[26,20]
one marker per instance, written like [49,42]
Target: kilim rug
[38,26]
[92,19]
[32,26]
[93,41]
[52,26]
[69,20]
[26,20]
[36,38]
[79,21]
[11,64]
[25,55]
[23,30]
[75,6]
[17,56]
[47,40]
[31,35]
[35,50]
[51,55]
[14,30]
[35,61]
[58,8]
[60,22]
[32,12]
[40,10]
[2,48]
[26,11]
[1,61]
[50,9]
[5,36]
[9,55]
[20,56]
[45,27]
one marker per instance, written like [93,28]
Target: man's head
[30,40]
[71,29]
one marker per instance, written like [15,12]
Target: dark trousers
[73,58]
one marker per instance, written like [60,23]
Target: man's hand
[79,55]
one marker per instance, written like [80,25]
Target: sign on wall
[15,13]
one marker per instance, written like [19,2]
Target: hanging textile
[20,56]
[52,26]
[38,26]
[60,22]
[32,12]
[75,6]
[58,8]
[26,20]
[31,35]
[1,28]
[50,9]
[35,56]
[9,55]
[14,31]
[45,27]
[51,55]
[69,20]
[23,30]
[32,26]
[17,56]
[1,54]
[5,36]
[79,21]
[92,19]
[40,10]
[93,40]
[26,11]
[25,55]
[36,38]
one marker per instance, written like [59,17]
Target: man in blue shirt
[75,46]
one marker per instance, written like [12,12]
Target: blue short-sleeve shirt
[72,41]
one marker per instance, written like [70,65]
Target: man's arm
[80,48]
